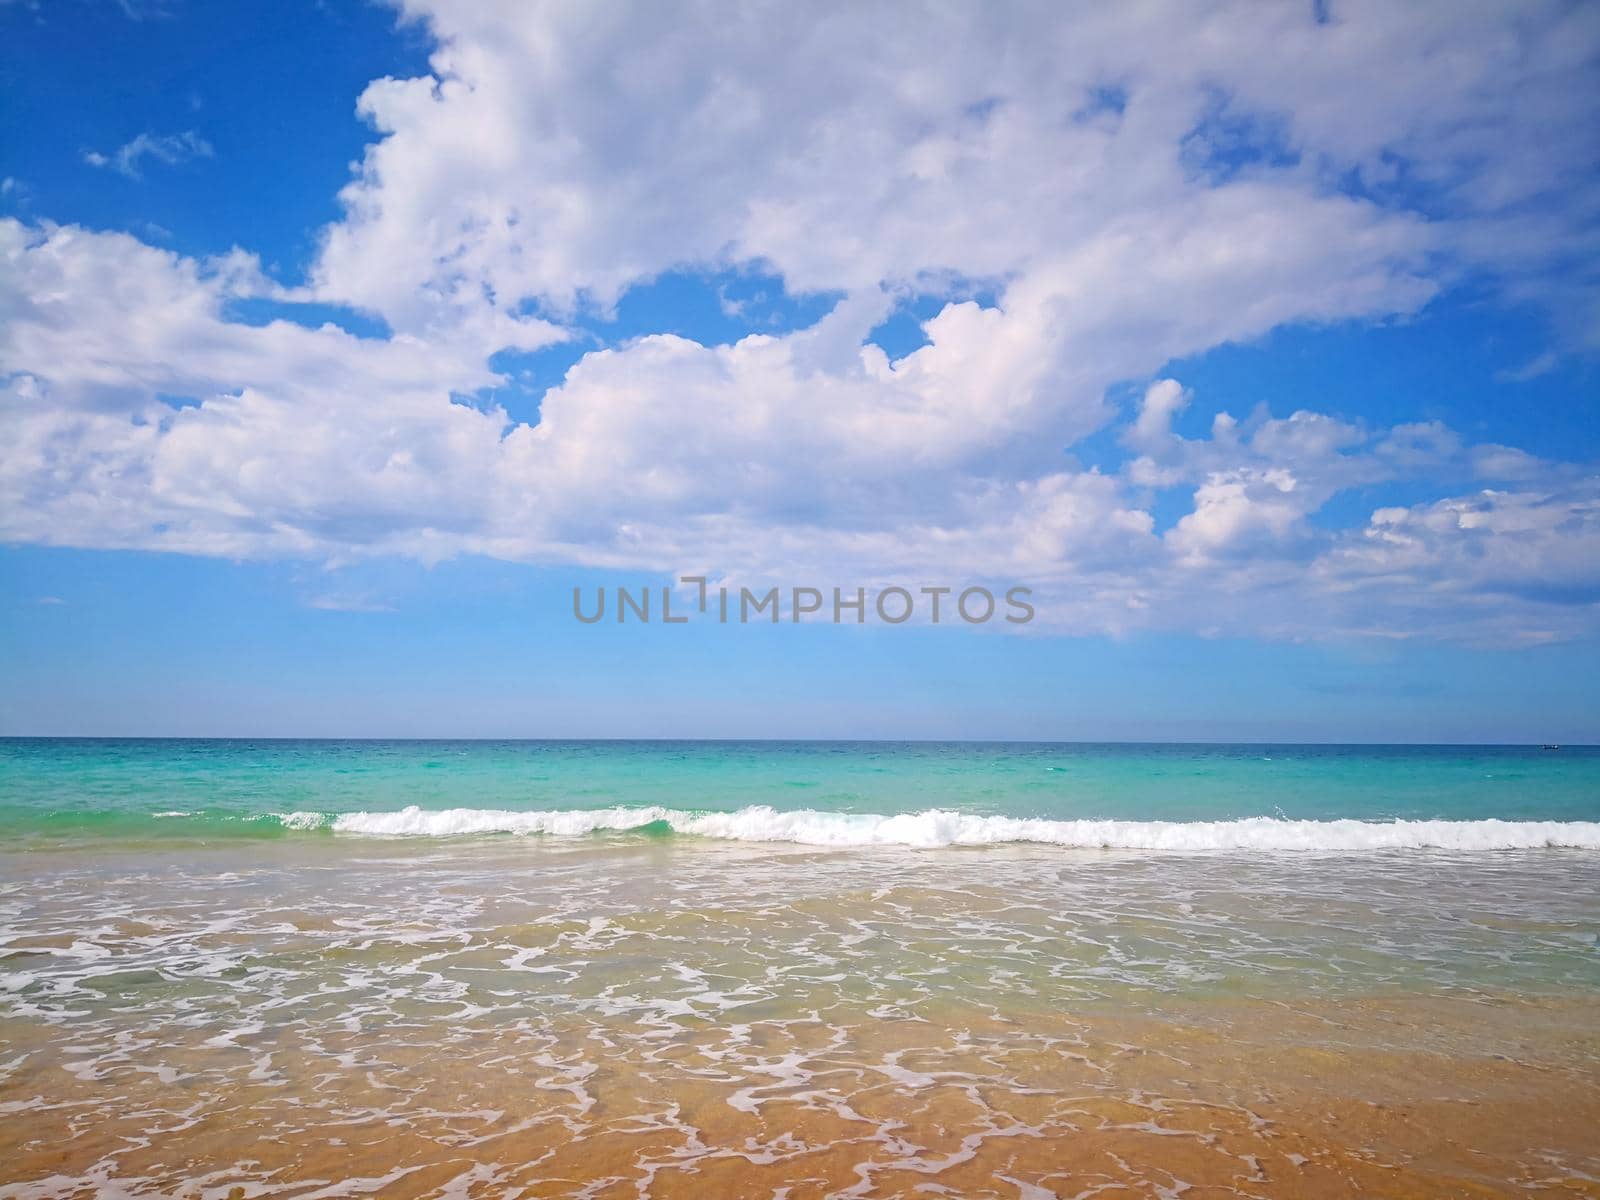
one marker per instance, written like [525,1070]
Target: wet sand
[1267,1100]
[624,1022]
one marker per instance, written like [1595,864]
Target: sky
[341,342]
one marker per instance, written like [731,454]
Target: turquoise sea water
[73,788]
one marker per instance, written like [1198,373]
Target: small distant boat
[1548,746]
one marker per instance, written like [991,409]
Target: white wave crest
[939,827]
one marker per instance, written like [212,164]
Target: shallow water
[644,1013]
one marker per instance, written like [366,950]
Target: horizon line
[837,741]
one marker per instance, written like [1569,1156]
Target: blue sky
[344,343]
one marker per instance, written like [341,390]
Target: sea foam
[941,827]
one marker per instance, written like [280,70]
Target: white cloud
[1536,367]
[348,604]
[1502,565]
[170,149]
[1163,400]
[1130,185]
[570,155]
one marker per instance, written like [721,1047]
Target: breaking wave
[939,827]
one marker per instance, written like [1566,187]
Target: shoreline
[479,1017]
[1252,1100]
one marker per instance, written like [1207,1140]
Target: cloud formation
[1120,186]
[170,149]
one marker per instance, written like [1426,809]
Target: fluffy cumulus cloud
[1120,185]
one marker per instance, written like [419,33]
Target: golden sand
[1253,1099]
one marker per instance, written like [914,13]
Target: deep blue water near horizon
[122,786]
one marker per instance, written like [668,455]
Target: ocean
[249,968]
